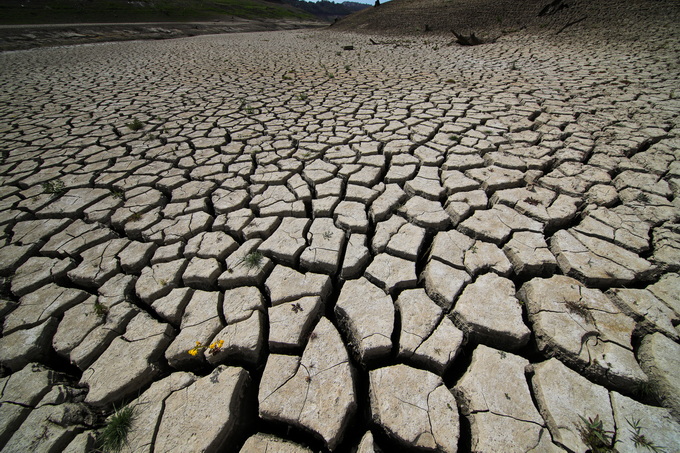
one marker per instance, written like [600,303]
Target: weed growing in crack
[455,138]
[642,197]
[645,390]
[135,125]
[327,235]
[302,97]
[54,187]
[640,440]
[135,217]
[253,260]
[595,436]
[101,310]
[114,436]
[246,107]
[117,194]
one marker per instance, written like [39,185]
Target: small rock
[367,445]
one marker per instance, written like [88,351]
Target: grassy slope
[72,11]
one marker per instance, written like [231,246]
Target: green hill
[100,11]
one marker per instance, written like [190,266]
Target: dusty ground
[408,245]
[17,37]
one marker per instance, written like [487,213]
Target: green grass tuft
[54,187]
[253,260]
[135,125]
[114,436]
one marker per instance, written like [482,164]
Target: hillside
[100,11]
[325,10]
[492,18]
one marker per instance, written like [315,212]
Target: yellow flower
[212,346]
[193,351]
[220,343]
[198,344]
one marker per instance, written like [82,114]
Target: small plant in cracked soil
[253,260]
[101,310]
[114,436]
[640,440]
[55,187]
[595,436]
[135,125]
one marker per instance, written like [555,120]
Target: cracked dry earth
[406,246]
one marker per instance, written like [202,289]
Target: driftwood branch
[471,40]
[574,22]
